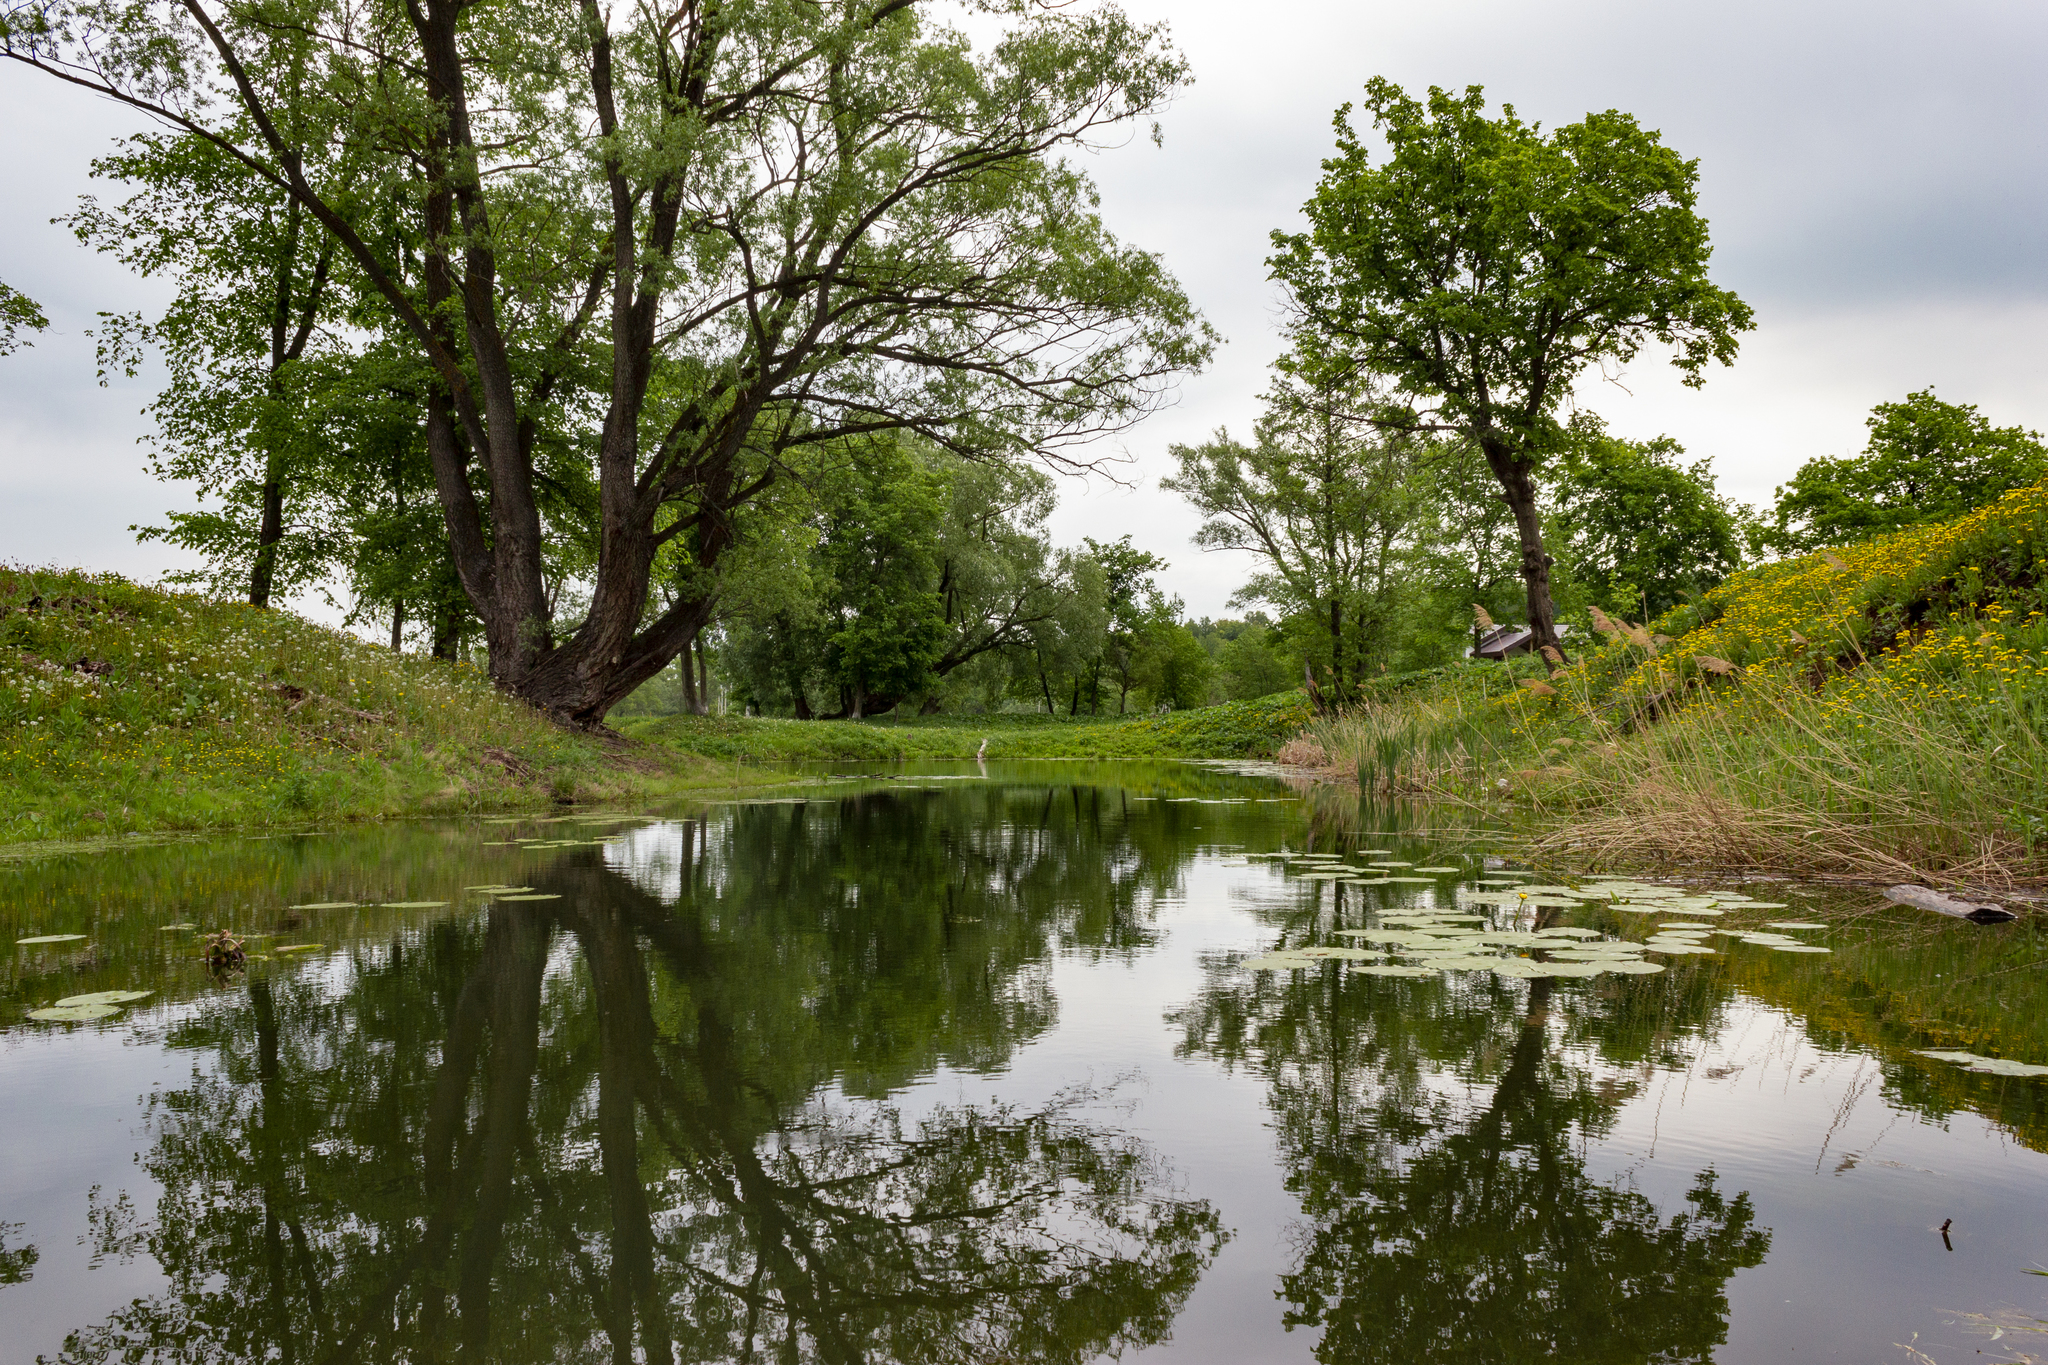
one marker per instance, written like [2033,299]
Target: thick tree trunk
[1518,484]
[397,625]
[703,679]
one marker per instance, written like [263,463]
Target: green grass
[126,709]
[1880,710]
[1247,729]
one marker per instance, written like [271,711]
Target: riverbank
[132,710]
[1879,710]
[1247,729]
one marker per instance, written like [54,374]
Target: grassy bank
[1249,729]
[126,709]
[1879,710]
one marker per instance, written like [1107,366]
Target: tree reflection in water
[577,1130]
[1436,1229]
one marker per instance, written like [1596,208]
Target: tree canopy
[1925,460]
[1640,532]
[676,247]
[1485,264]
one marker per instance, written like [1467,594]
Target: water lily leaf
[1412,881]
[1567,931]
[411,905]
[1793,924]
[1765,905]
[51,938]
[1439,869]
[2005,1066]
[1552,902]
[326,905]
[538,896]
[1801,948]
[1639,909]
[1677,949]
[1392,969]
[1635,966]
[175,928]
[1520,967]
[1321,874]
[297,947]
[73,1014]
[1548,891]
[1582,969]
[1390,864]
[1946,1054]
[103,998]
[1277,962]
[1337,952]
[1703,928]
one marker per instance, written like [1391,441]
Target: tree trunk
[397,625]
[447,633]
[268,533]
[1337,647]
[1518,484]
[703,678]
[690,704]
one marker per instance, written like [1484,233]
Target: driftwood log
[1924,899]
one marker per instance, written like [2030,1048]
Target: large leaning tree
[1484,265]
[682,241]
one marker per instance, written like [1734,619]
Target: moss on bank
[126,709]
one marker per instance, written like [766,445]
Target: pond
[1036,1063]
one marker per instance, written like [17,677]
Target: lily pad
[103,998]
[1439,869]
[175,928]
[1552,902]
[297,947]
[327,905]
[1390,864]
[1277,962]
[1635,966]
[1412,881]
[1801,948]
[1793,924]
[1703,928]
[2005,1066]
[535,896]
[1392,969]
[51,938]
[1549,891]
[1567,931]
[412,905]
[73,1014]
[1520,967]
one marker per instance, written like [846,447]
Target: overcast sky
[1873,173]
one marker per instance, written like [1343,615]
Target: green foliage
[18,313]
[1926,460]
[1173,670]
[1248,666]
[1326,504]
[1486,264]
[1637,531]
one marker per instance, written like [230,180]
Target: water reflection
[1435,1136]
[593,1128]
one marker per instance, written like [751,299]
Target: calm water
[972,1070]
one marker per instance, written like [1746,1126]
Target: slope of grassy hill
[127,709]
[1877,710]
